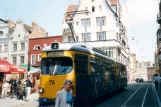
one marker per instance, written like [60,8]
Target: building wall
[37,31]
[150,73]
[18,36]
[41,42]
[113,43]
[4,39]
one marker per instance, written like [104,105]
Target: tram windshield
[56,66]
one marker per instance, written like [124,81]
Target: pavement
[14,102]
[157,94]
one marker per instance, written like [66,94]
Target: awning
[9,68]
[32,69]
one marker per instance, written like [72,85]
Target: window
[39,58]
[86,37]
[100,8]
[86,8]
[33,59]
[92,0]
[1,33]
[56,66]
[22,59]
[14,46]
[81,62]
[14,60]
[23,46]
[101,21]
[37,47]
[70,39]
[77,38]
[93,8]
[0,48]
[101,35]
[77,23]
[5,58]
[86,22]
[5,47]
[19,35]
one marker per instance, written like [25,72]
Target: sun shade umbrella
[9,68]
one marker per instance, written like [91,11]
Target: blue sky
[49,14]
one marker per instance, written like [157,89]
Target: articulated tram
[93,74]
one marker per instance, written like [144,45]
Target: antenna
[6,14]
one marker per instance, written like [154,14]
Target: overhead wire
[132,26]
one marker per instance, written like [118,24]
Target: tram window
[56,66]
[81,64]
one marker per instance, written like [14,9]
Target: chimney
[19,21]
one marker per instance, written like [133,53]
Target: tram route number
[52,82]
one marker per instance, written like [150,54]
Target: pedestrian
[4,89]
[13,87]
[64,96]
[28,88]
[156,78]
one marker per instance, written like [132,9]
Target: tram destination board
[52,54]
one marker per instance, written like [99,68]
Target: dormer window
[37,47]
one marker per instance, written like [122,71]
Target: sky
[49,15]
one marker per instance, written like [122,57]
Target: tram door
[81,70]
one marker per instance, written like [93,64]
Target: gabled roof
[71,8]
[27,27]
[113,2]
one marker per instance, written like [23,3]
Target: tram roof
[78,47]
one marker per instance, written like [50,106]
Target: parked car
[139,80]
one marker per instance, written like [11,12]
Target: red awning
[8,68]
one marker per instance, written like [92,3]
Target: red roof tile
[113,2]
[71,8]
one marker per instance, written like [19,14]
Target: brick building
[36,45]
[150,73]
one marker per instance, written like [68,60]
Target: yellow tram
[93,73]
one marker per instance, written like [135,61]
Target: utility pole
[70,22]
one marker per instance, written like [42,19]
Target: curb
[157,97]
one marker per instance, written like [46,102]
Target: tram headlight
[41,90]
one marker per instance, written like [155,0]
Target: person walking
[64,96]
[156,78]
[4,89]
[28,88]
[13,87]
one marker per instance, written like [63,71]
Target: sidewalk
[33,99]
[158,95]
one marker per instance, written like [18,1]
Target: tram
[93,74]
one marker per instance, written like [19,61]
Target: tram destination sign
[52,54]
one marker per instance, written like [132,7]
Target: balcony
[159,18]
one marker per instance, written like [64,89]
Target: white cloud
[140,11]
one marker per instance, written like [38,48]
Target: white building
[101,28]
[4,31]
[18,43]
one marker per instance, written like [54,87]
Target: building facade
[36,45]
[4,32]
[18,44]
[150,73]
[141,69]
[14,38]
[158,50]
[133,66]
[100,28]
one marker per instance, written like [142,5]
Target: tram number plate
[52,82]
